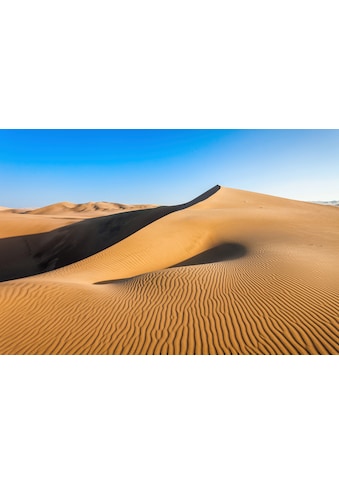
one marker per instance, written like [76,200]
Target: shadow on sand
[222,252]
[29,255]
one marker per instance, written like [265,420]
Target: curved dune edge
[236,273]
[33,243]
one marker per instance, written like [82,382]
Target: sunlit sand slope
[34,244]
[234,272]
[87,209]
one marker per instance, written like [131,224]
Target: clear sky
[40,167]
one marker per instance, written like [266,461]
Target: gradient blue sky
[40,167]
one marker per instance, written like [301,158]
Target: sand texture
[231,272]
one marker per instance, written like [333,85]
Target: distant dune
[330,202]
[86,209]
[231,272]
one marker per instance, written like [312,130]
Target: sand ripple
[234,273]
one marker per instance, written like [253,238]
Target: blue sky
[40,167]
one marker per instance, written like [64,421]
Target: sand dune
[231,272]
[42,248]
[88,209]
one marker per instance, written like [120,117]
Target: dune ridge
[44,251]
[86,209]
[231,272]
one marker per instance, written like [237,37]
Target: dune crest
[231,272]
[86,209]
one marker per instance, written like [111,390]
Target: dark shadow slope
[38,253]
[222,252]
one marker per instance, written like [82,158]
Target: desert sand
[231,272]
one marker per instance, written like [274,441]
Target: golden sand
[232,272]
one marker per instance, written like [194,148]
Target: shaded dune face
[231,272]
[32,254]
[223,252]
